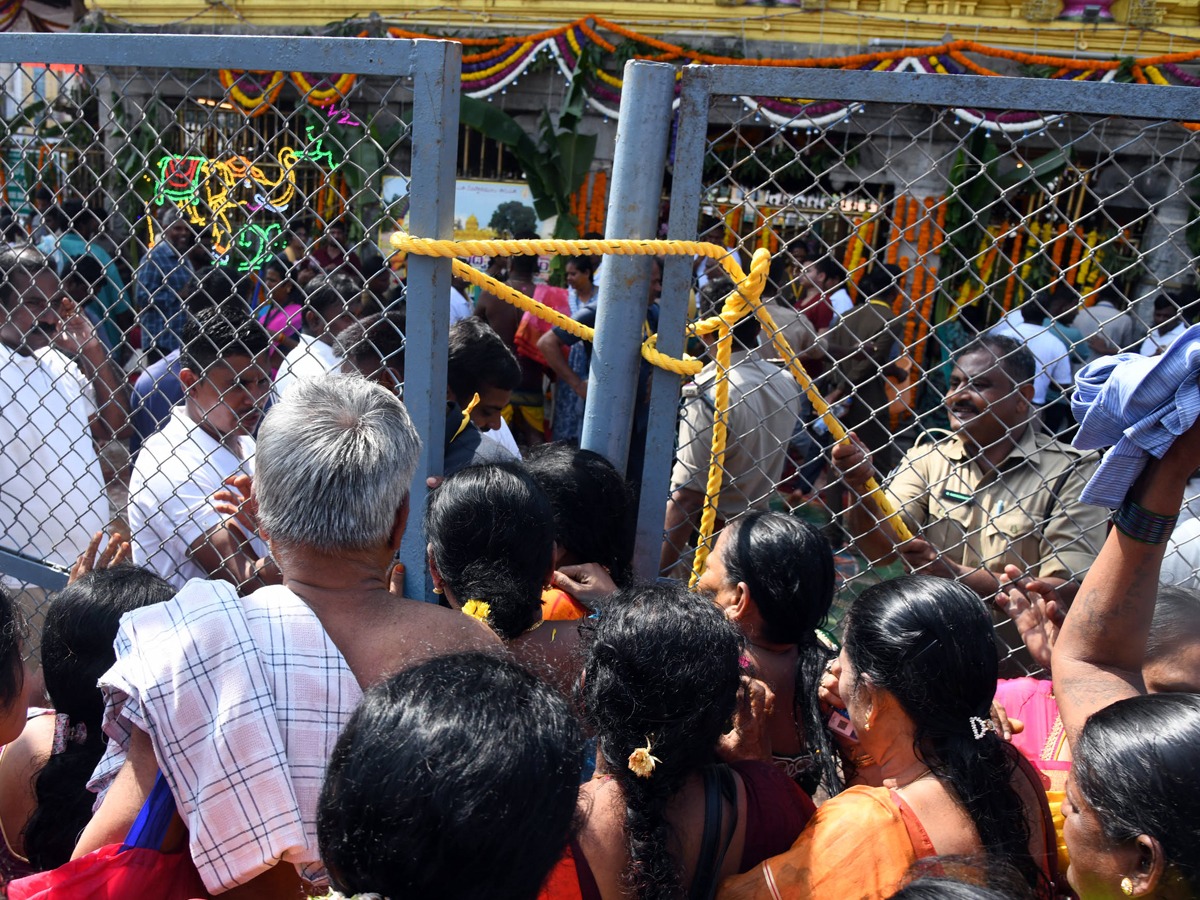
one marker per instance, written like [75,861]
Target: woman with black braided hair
[662,819]
[772,575]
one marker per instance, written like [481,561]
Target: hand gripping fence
[744,300]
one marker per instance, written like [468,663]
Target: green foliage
[778,164]
[1035,70]
[513,217]
[131,181]
[1125,71]
[556,158]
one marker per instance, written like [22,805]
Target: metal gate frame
[701,84]
[435,68]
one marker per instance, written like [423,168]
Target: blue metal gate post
[643,133]
[437,75]
[687,180]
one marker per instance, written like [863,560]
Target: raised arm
[77,338]
[1099,654]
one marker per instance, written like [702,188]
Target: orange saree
[858,846]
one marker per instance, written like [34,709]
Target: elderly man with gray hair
[238,702]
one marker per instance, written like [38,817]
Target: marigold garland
[336,87]
[261,97]
[499,60]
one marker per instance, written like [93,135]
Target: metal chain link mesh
[137,200]
[900,233]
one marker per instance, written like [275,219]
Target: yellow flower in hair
[477,609]
[641,763]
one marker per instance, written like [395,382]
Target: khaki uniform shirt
[764,406]
[793,325]
[1025,513]
[862,342]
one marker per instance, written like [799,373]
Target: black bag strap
[719,786]
[1055,490]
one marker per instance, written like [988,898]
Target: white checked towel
[243,700]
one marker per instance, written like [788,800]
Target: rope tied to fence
[744,300]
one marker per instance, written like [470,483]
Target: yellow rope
[745,299]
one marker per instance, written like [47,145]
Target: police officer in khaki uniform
[997,492]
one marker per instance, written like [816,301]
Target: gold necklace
[912,781]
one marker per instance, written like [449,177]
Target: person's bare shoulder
[22,760]
[551,651]
[32,748]
[441,630]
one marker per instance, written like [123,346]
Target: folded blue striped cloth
[1137,405]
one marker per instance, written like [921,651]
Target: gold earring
[1127,886]
[437,590]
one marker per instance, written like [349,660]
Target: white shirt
[1108,322]
[703,262]
[1053,361]
[51,490]
[178,470]
[1156,342]
[310,358]
[459,307]
[504,437]
[841,303]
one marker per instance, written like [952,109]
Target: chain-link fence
[174,258]
[906,220]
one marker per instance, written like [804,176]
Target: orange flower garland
[251,105]
[336,91]
[503,49]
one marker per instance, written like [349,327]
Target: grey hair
[335,460]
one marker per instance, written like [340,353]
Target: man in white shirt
[460,307]
[1168,325]
[479,363]
[177,530]
[1053,358]
[333,304]
[51,488]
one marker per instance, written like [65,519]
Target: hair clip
[65,732]
[980,727]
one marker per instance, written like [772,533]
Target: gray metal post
[436,86]
[638,166]
[690,143]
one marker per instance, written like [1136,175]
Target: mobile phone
[839,723]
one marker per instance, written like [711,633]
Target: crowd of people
[234,693]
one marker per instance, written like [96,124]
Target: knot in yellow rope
[744,300]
